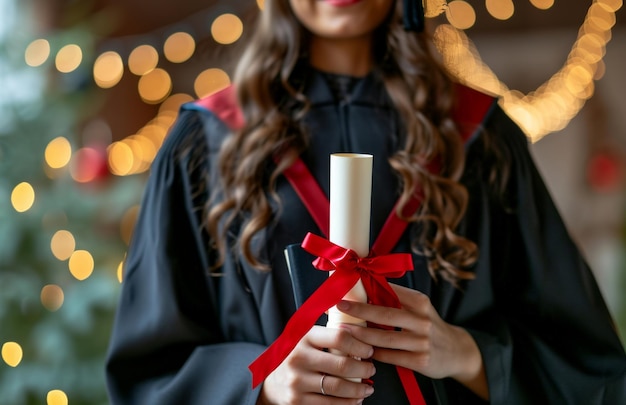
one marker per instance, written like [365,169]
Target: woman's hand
[298,379]
[425,343]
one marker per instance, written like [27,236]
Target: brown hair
[405,61]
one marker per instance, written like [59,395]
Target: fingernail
[343,305]
[369,391]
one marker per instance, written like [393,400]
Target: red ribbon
[349,268]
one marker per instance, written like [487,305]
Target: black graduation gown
[185,336]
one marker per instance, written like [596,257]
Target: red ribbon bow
[349,268]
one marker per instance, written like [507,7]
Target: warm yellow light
[601,17]
[139,162]
[542,4]
[56,397]
[120,271]
[52,297]
[144,150]
[226,29]
[108,69]
[155,86]
[62,244]
[179,47]
[174,102]
[260,4]
[500,9]
[12,353]
[155,133]
[121,159]
[143,59]
[81,264]
[165,119]
[611,5]
[37,52]
[23,197]
[551,107]
[68,58]
[600,70]
[461,14]
[58,153]
[210,81]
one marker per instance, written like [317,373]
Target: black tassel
[413,15]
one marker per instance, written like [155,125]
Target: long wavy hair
[423,94]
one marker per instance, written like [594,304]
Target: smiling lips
[341,3]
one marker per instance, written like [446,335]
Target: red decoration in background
[89,164]
[605,171]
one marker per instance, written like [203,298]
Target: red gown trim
[471,108]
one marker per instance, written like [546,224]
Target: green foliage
[62,349]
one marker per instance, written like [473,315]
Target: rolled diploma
[350,208]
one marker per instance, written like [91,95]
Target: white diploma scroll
[350,207]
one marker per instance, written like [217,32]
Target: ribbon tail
[381,293]
[411,388]
[328,294]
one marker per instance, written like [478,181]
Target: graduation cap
[415,10]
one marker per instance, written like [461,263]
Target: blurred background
[89,88]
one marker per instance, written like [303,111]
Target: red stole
[469,113]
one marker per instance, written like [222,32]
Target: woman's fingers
[414,319]
[339,339]
[298,379]
[340,387]
[346,364]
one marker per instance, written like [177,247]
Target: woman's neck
[351,56]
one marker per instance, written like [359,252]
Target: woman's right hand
[298,379]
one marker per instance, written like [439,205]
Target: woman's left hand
[425,343]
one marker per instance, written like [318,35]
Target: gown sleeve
[558,342]
[166,346]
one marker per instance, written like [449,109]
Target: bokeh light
[551,106]
[12,353]
[226,29]
[68,58]
[155,133]
[81,264]
[260,4]
[155,86]
[120,158]
[56,397]
[120,272]
[87,165]
[601,17]
[143,59]
[58,153]
[542,4]
[37,52]
[461,14]
[210,81]
[174,102]
[108,69]
[52,297]
[500,9]
[23,197]
[62,244]
[611,5]
[179,47]
[140,159]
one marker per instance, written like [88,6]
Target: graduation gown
[184,335]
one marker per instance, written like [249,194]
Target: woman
[501,307]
